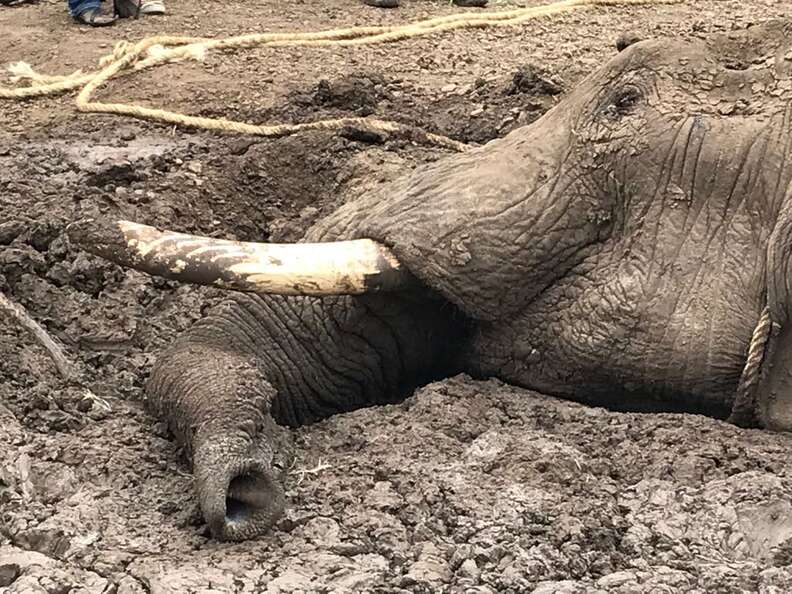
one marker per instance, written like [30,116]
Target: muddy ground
[466,486]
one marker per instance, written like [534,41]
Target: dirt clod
[9,572]
[626,39]
[534,81]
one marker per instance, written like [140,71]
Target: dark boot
[94,18]
[471,3]
[382,3]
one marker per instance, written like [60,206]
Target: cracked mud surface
[466,486]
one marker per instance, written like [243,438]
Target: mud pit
[466,486]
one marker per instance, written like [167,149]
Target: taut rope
[743,411]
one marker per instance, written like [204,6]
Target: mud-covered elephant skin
[619,251]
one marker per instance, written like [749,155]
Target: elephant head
[619,251]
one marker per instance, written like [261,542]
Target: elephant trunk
[238,490]
[218,406]
[334,268]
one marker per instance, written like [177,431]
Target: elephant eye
[621,101]
[626,98]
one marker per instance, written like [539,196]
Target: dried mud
[467,486]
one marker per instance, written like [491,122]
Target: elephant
[629,249]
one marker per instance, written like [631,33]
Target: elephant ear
[773,393]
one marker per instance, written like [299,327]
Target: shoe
[382,3]
[152,7]
[93,17]
[471,3]
[134,8]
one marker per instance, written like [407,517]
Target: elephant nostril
[252,497]
[239,495]
[247,493]
[236,510]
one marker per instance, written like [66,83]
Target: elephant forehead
[739,73]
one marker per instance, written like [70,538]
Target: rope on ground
[127,58]
[743,411]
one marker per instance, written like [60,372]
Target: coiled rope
[127,58]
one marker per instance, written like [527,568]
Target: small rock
[561,587]
[366,573]
[349,549]
[448,88]
[726,108]
[59,274]
[129,585]
[10,230]
[112,561]
[322,530]
[289,581]
[84,404]
[237,147]
[9,573]
[383,496]
[616,579]
[25,559]
[51,542]
[698,27]
[486,447]
[534,80]
[53,481]
[430,569]
[469,569]
[461,554]
[55,586]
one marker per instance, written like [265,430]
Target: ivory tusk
[336,268]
